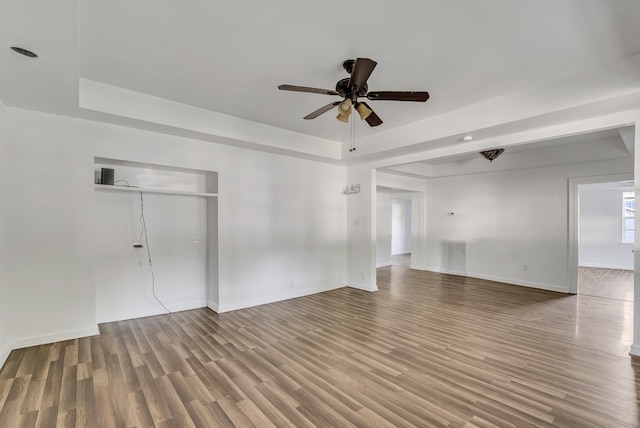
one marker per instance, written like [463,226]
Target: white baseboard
[365,287]
[151,311]
[214,306]
[384,264]
[606,266]
[438,270]
[90,331]
[541,286]
[4,354]
[530,284]
[634,350]
[55,337]
[273,298]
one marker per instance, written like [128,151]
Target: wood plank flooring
[401,260]
[426,350]
[607,283]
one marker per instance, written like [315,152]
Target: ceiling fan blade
[398,96]
[361,72]
[373,119]
[322,110]
[307,89]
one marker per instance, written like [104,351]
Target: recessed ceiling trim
[112,100]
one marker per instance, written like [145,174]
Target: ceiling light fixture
[363,111]
[344,110]
[467,138]
[490,155]
[24,52]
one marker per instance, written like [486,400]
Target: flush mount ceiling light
[490,155]
[23,51]
[467,138]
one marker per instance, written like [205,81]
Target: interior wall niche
[156,239]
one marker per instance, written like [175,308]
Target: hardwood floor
[401,260]
[426,350]
[607,283]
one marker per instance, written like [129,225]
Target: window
[628,217]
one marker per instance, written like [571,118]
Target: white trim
[43,340]
[383,264]
[565,129]
[625,218]
[4,354]
[364,287]
[603,266]
[126,189]
[220,308]
[442,271]
[510,281]
[153,311]
[214,306]
[573,221]
[634,350]
[57,337]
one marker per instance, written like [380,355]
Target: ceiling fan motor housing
[342,87]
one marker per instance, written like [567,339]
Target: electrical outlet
[363,275]
[291,285]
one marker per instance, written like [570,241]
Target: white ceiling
[535,146]
[229,57]
[591,147]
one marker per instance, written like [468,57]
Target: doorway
[606,235]
[401,232]
[399,227]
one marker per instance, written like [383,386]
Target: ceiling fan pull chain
[353,134]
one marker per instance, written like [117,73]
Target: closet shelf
[116,188]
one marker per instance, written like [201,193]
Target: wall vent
[454,256]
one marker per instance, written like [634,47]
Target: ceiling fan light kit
[363,111]
[354,87]
[344,111]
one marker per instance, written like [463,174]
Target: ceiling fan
[355,87]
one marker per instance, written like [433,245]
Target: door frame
[573,250]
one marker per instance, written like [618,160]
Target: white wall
[177,241]
[4,315]
[400,226]
[281,220]
[48,214]
[601,229]
[509,219]
[361,229]
[176,228]
[383,230]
